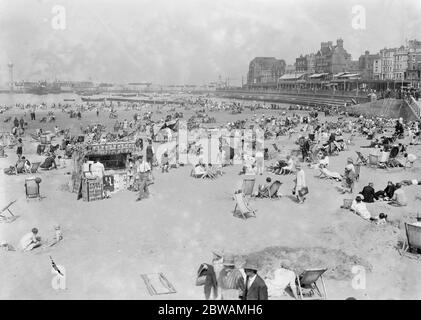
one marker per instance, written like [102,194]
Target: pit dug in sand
[338,263]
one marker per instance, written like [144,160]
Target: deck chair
[272,191]
[34,167]
[373,160]
[361,158]
[248,186]
[32,189]
[307,282]
[325,173]
[413,241]
[3,212]
[242,208]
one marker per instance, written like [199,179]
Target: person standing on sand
[254,286]
[143,171]
[19,148]
[150,153]
[230,280]
[300,190]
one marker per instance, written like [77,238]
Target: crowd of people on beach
[317,143]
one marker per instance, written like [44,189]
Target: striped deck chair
[413,241]
[242,208]
[32,189]
[307,284]
[34,167]
[272,191]
[361,158]
[248,186]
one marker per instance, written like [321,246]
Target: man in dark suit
[369,193]
[255,287]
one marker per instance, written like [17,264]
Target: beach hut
[113,155]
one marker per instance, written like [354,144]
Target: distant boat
[69,99]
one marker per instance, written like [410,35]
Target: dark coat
[257,291]
[368,194]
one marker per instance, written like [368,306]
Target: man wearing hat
[230,280]
[254,286]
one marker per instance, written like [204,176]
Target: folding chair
[272,191]
[361,158]
[32,189]
[243,207]
[7,208]
[308,281]
[413,241]
[373,160]
[34,167]
[248,186]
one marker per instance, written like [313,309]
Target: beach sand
[108,244]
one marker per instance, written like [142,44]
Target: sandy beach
[108,244]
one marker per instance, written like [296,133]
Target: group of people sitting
[32,240]
[282,166]
[23,165]
[393,194]
[202,170]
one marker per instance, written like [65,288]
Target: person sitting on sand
[409,158]
[280,280]
[381,219]
[289,167]
[368,193]
[199,170]
[387,193]
[49,162]
[399,198]
[360,208]
[30,240]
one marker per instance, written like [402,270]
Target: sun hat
[251,264]
[229,260]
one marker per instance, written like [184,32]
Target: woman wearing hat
[300,190]
[254,286]
[230,280]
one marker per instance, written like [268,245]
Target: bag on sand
[303,191]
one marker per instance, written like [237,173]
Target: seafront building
[332,68]
[265,71]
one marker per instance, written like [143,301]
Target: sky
[186,41]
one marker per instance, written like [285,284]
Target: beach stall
[114,156]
